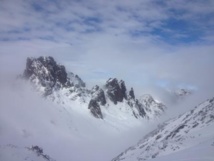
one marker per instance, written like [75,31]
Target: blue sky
[168,21]
[145,42]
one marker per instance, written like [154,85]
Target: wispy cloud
[60,20]
[144,42]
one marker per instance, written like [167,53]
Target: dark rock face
[134,103]
[116,91]
[140,108]
[98,98]
[39,151]
[61,75]
[95,109]
[46,70]
[98,95]
[123,89]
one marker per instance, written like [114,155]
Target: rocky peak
[46,70]
[112,83]
[48,76]
[116,91]
[76,80]
[98,95]
[131,93]
[52,80]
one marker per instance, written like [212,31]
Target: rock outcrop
[95,110]
[98,99]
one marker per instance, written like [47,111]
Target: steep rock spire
[116,91]
[131,93]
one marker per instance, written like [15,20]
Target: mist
[155,47]
[27,119]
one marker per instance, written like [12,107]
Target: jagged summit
[116,91]
[46,70]
[131,94]
[48,76]
[98,95]
[55,83]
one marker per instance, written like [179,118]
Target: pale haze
[155,46]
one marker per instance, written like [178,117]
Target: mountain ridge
[55,83]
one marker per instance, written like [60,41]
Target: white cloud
[99,39]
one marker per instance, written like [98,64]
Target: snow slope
[201,152]
[63,132]
[189,132]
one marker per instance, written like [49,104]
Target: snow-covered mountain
[177,138]
[96,124]
[56,84]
